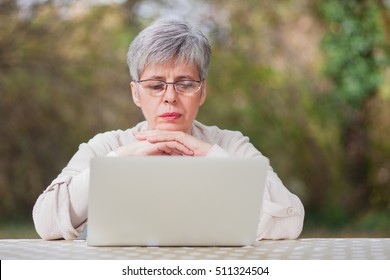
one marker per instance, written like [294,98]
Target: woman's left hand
[198,147]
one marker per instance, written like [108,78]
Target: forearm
[78,198]
[62,209]
[217,151]
[79,195]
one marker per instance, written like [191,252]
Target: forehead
[172,67]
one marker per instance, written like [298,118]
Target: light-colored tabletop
[301,249]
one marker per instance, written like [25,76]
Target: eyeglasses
[158,88]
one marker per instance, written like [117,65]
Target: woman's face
[170,111]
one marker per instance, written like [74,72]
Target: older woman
[168,63]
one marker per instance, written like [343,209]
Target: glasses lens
[187,87]
[153,87]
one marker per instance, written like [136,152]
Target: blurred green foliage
[354,44]
[307,81]
[357,56]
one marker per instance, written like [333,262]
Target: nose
[170,94]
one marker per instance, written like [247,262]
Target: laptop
[175,201]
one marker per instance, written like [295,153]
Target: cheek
[193,107]
[149,107]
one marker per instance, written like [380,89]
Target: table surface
[300,249]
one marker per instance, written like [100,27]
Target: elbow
[296,220]
[275,228]
[43,230]
[49,224]
[44,233]
[292,230]
[296,230]
[43,222]
[40,228]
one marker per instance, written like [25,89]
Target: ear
[135,94]
[203,93]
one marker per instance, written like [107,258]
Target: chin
[171,127]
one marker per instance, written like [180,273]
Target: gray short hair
[165,39]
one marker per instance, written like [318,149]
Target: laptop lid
[175,201]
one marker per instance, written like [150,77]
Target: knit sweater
[61,210]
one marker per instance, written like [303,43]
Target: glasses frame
[170,83]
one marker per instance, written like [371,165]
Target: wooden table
[300,249]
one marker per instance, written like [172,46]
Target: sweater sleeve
[282,212]
[51,213]
[61,210]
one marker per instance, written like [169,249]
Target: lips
[170,116]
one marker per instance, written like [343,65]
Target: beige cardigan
[61,210]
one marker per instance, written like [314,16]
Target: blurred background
[307,80]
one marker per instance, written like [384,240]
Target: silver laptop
[175,201]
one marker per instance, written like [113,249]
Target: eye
[155,86]
[186,84]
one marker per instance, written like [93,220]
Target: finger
[166,137]
[177,148]
[145,133]
[163,149]
[145,148]
[198,147]
[158,135]
[178,137]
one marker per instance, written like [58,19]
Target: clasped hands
[164,142]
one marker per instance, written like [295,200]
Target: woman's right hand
[146,148]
